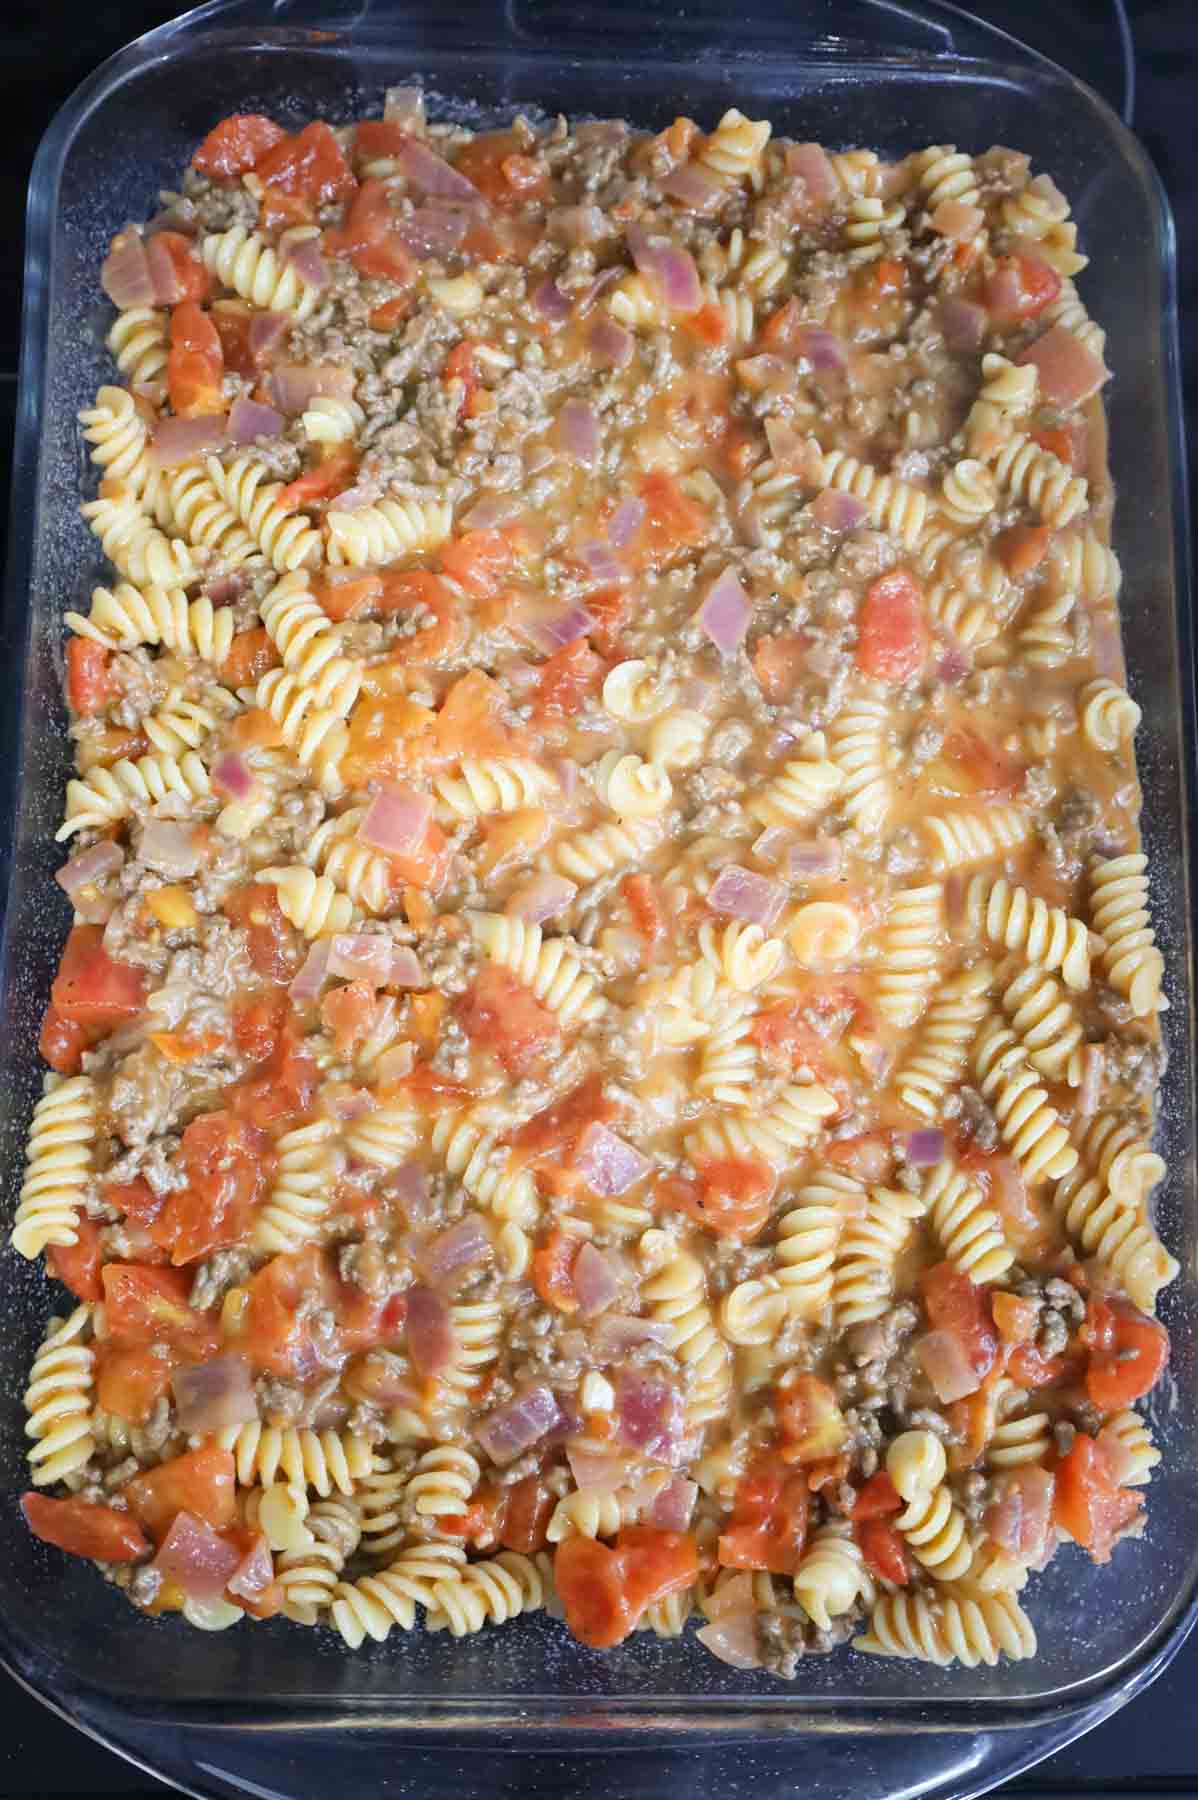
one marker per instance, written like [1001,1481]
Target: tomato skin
[89,688]
[552,1271]
[77,1265]
[325,481]
[954,1303]
[892,634]
[1087,1504]
[195,363]
[85,1529]
[992,769]
[311,164]
[878,1497]
[236,145]
[730,1199]
[91,988]
[499,1013]
[529,1507]
[200,1481]
[673,521]
[1128,1353]
[61,1042]
[885,1553]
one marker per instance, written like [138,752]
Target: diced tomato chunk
[151,1305]
[324,481]
[91,988]
[369,236]
[237,145]
[251,656]
[810,1421]
[885,1553]
[553,1271]
[768,1527]
[62,1041]
[77,1265]
[892,633]
[195,363]
[312,164]
[500,1014]
[345,599]
[1031,1369]
[672,519]
[85,1529]
[730,1198]
[478,561]
[89,687]
[1128,1353]
[590,1580]
[565,678]
[223,1157]
[778,663]
[1020,288]
[274,1335]
[990,768]
[495,162]
[878,1497]
[256,908]
[954,1303]
[200,1481]
[1088,1504]
[1021,548]
[132,1378]
[526,1515]
[558,1128]
[175,252]
[644,903]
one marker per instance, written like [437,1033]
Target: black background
[45,51]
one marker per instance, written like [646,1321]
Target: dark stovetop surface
[1152,1747]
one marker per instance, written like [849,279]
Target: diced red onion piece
[810,163]
[125,272]
[551,303]
[1009,1195]
[396,821]
[672,268]
[404,106]
[1090,1090]
[409,1185]
[553,631]
[773,845]
[617,1332]
[565,771]
[625,522]
[463,1246]
[294,386]
[312,976]
[433,231]
[817,860]
[601,283]
[610,344]
[349,1103]
[1105,646]
[255,1572]
[212,1395]
[609,1164]
[963,323]
[732,1640]
[578,432]
[180,217]
[1069,373]
[168,288]
[431,1342]
[83,872]
[835,511]
[491,510]
[822,349]
[541,898]
[433,175]
[734,1595]
[1020,1518]
[725,613]
[233,776]
[406,969]
[512,1429]
[177,441]
[596,1280]
[786,445]
[743,894]
[592,1468]
[649,1413]
[395,1063]
[607,133]
[169,848]
[1004,294]
[361,956]
[197,1558]
[303,255]
[946,1365]
[603,563]
[577,225]
[266,329]
[693,187]
[249,420]
[674,1506]
[925,1149]
[351,499]
[953,665]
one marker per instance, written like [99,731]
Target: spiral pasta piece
[59,1402]
[136,547]
[313,729]
[366,875]
[1109,716]
[1130,959]
[807,1237]
[949,1028]
[593,854]
[593,1512]
[490,1592]
[970,1232]
[969,492]
[373,1606]
[910,953]
[302,1194]
[1046,633]
[788,1124]
[1041,211]
[246,263]
[753,1312]
[1011,918]
[936,1531]
[805,788]
[1045,1022]
[111,794]
[1029,1123]
[442,1482]
[310,901]
[863,1274]
[740,954]
[634,692]
[323,1460]
[547,966]
[386,530]
[384,1138]
[117,432]
[832,1576]
[128,616]
[198,511]
[962,838]
[728,1059]
[894,506]
[1137,1452]
[949,1628]
[632,787]
[1040,480]
[735,148]
[307,1577]
[139,342]
[485,1168]
[492,784]
[286,538]
[477,1328]
[1020,1438]
[180,724]
[677,1295]
[326,420]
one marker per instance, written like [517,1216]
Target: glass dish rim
[238,24]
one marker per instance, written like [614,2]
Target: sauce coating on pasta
[605,1059]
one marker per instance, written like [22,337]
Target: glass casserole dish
[864,72]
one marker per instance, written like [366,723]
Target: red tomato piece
[251,656]
[644,903]
[954,1303]
[778,663]
[566,677]
[526,1515]
[258,1024]
[132,1378]
[1030,1369]
[62,1041]
[149,1305]
[369,237]
[478,561]
[768,1527]
[609,607]
[256,908]
[590,1580]
[77,1265]
[500,1014]
[892,634]
[878,1497]
[731,1197]
[282,1091]
[231,321]
[885,1553]
[656,1562]
[135,1200]
[1020,288]
[348,1012]
[672,520]
[191,279]
[407,589]
[348,599]
[1087,1503]
[1128,1353]
[223,1156]
[432,1092]
[809,1420]
[323,482]
[558,1128]
[91,988]
[195,363]
[1021,548]
[462,365]
[552,1271]
[311,164]
[237,145]
[494,161]
[281,211]
[85,1529]
[200,1481]
[273,1337]
[992,769]
[89,688]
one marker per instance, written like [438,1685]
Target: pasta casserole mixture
[606,1054]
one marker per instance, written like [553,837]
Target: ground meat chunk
[213,1279]
[975,1117]
[783,1639]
